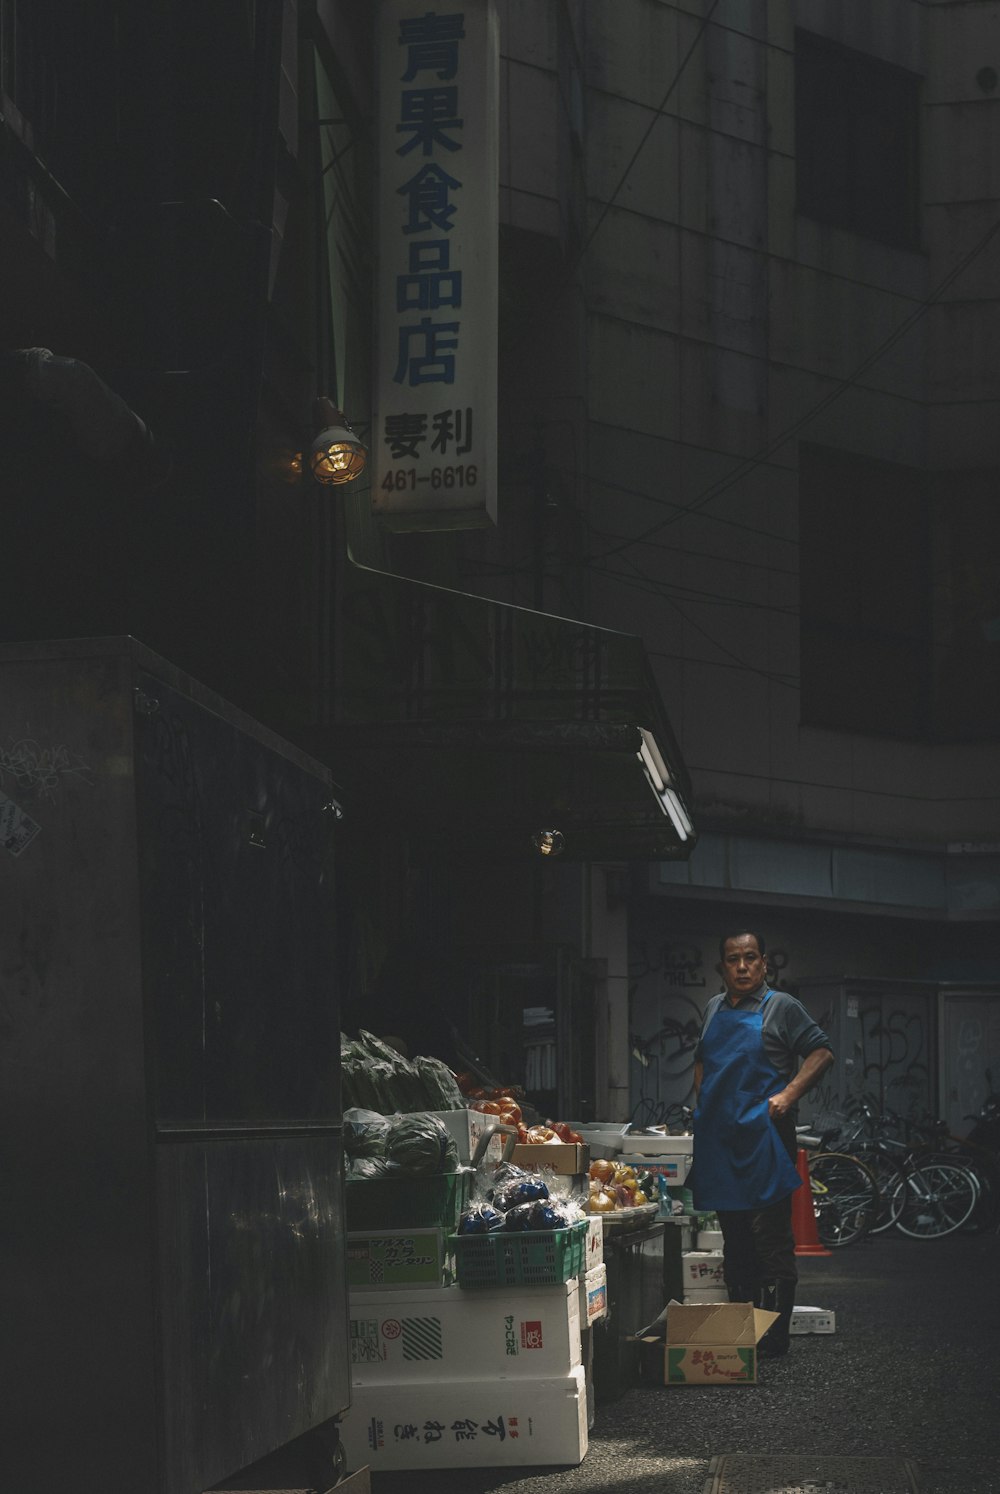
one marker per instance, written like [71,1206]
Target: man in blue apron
[758,1054]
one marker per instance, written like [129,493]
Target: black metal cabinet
[637,1271]
[174,1295]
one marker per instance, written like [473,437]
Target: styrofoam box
[658,1144]
[593,1296]
[468,1423]
[447,1334]
[701,1269]
[709,1239]
[813,1320]
[467,1127]
[671,1167]
[704,1294]
[604,1140]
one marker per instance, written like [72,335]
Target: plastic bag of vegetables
[365,1133]
[371,1167]
[420,1143]
[480,1219]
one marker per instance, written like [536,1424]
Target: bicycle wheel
[845,1198]
[938,1197]
[888,1175]
[985,1175]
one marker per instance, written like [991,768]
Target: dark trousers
[759,1244]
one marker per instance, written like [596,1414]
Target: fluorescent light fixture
[660,781]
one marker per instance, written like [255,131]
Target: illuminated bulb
[548,842]
[336,455]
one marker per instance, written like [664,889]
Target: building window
[899,598]
[857,127]
[865,590]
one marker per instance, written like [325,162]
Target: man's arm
[812,1070]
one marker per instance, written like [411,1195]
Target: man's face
[742,965]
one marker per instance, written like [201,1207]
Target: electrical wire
[749,464]
[618,487]
[789,682]
[649,130]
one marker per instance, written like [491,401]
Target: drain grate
[780,1473]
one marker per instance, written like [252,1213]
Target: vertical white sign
[435,403]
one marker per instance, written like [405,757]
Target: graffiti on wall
[669,988]
[894,1057]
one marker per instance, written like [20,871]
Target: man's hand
[811,1071]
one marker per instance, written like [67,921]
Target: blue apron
[739,1159]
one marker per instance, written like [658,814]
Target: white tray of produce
[604,1138]
[656,1144]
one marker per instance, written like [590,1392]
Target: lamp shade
[549,842]
[336,455]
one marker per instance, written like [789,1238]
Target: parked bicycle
[845,1193]
[923,1193]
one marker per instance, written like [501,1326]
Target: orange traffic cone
[803,1215]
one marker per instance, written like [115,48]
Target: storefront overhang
[469,725]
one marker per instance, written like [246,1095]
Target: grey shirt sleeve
[789,1033]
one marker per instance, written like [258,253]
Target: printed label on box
[421,1335]
[460,1424]
[690,1365]
[597,1303]
[702,1269]
[387,1260]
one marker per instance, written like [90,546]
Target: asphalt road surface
[913,1370]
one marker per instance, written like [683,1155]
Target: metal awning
[469,724]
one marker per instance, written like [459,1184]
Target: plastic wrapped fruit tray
[632,1218]
[542,1257]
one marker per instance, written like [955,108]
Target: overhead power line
[750,464]
[649,128]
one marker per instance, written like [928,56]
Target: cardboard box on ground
[709,1344]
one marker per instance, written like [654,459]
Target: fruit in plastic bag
[524,1191]
[546,1215]
[519,1218]
[480,1219]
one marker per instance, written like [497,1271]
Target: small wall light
[336,455]
[549,842]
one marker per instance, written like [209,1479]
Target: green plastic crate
[535,1258]
[432,1200]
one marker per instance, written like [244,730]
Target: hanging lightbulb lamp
[336,455]
[549,842]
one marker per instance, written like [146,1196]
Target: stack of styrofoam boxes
[443,1377]
[593,1301]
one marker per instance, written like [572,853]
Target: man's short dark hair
[741,934]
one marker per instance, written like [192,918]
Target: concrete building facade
[751,361]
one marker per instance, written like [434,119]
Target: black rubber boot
[779,1297]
